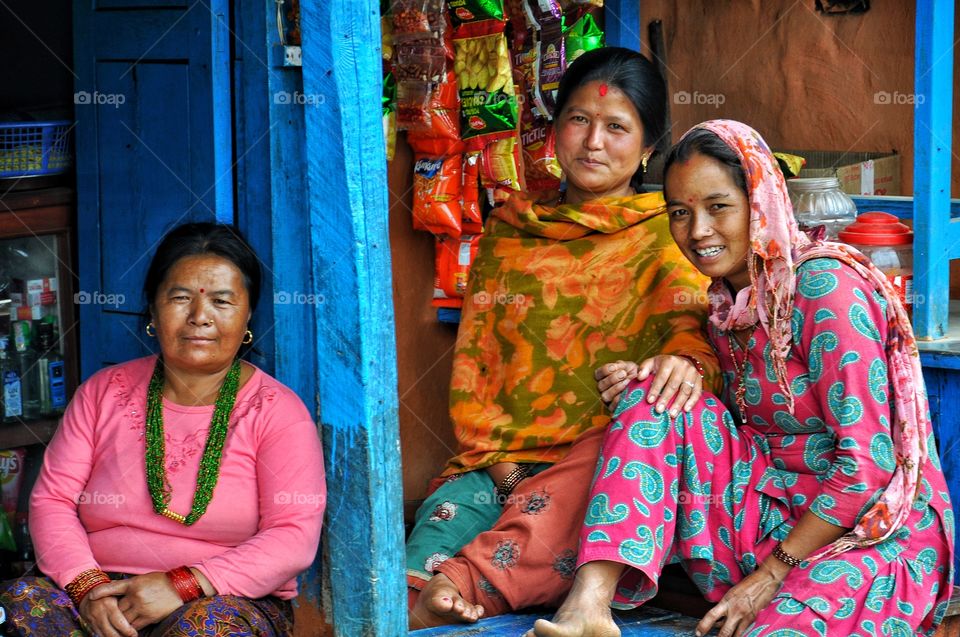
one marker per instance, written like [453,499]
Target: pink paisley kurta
[718,496]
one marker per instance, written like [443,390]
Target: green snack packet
[389,99]
[463,11]
[585,35]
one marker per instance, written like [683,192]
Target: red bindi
[201,290]
[603,89]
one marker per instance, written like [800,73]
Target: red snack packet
[11,477]
[437,183]
[453,259]
[472,214]
[540,168]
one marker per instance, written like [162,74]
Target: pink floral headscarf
[777,246]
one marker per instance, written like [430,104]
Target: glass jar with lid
[820,201]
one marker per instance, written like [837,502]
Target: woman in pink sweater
[182,493]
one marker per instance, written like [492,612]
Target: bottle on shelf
[12,398]
[26,357]
[25,555]
[53,390]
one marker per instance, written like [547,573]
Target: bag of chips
[540,168]
[437,183]
[488,103]
[417,19]
[452,264]
[585,35]
[502,169]
[467,11]
[11,476]
[389,104]
[540,12]
[550,66]
[471,211]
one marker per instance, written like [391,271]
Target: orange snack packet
[437,183]
[452,264]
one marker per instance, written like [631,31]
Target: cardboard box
[860,173]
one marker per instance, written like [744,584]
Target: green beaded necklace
[209,470]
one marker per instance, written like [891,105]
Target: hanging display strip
[473,83]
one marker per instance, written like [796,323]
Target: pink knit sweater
[91,508]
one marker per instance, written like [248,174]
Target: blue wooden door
[153,135]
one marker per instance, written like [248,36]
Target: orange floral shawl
[555,292]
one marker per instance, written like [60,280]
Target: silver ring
[692,385]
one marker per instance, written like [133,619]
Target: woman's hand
[742,603]
[612,379]
[144,599]
[103,616]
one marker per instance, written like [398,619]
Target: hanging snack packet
[386,38]
[452,265]
[550,67]
[540,12]
[11,476]
[441,119]
[466,11]
[417,19]
[389,103]
[471,212]
[585,35]
[525,67]
[413,105]
[501,168]
[488,102]
[436,194]
[540,168]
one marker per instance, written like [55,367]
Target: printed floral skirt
[36,607]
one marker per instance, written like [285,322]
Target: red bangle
[84,583]
[185,583]
[697,365]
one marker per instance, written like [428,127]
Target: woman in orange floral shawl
[556,291]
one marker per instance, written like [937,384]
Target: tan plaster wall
[804,80]
[424,346]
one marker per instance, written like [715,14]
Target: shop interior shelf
[27,432]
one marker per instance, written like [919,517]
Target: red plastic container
[889,244]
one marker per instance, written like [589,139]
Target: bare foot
[440,604]
[586,611]
[577,622]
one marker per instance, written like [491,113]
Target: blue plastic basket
[29,149]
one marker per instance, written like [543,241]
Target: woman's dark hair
[633,74]
[193,239]
[707,143]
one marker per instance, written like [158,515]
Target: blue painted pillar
[936,238]
[622,23]
[355,344]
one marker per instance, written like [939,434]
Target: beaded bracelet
[185,583]
[84,583]
[785,557]
[515,477]
[696,363]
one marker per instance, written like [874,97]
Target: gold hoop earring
[151,326]
[643,162]
[247,338]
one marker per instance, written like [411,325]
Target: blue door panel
[154,149]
